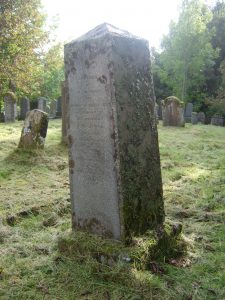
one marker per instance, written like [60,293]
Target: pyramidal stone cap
[105,29]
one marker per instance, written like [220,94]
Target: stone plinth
[65,111]
[115,177]
[24,107]
[173,112]
[201,117]
[194,118]
[217,120]
[34,130]
[188,112]
[10,107]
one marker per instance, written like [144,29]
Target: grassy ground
[35,215]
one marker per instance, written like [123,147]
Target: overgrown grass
[40,259]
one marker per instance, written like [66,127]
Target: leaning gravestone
[24,107]
[188,112]
[65,111]
[217,120]
[34,130]
[115,176]
[173,112]
[10,107]
[194,118]
[201,117]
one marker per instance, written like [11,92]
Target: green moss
[170,99]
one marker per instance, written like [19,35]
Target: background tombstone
[173,112]
[59,107]
[52,110]
[34,130]
[10,107]
[24,107]
[159,102]
[194,118]
[201,117]
[65,111]
[217,120]
[115,177]
[188,112]
[42,104]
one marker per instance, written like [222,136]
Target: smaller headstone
[34,130]
[52,110]
[10,107]
[24,107]
[201,117]
[217,120]
[59,107]
[173,112]
[187,112]
[65,111]
[194,118]
[42,104]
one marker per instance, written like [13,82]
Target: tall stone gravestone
[173,112]
[65,111]
[24,107]
[188,112]
[34,130]
[115,176]
[10,107]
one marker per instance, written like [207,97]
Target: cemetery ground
[40,259]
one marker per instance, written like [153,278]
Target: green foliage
[187,52]
[21,40]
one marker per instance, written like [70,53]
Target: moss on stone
[170,99]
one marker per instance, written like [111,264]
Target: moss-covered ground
[40,259]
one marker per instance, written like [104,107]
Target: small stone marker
[115,177]
[65,111]
[34,130]
[173,112]
[188,112]
[52,111]
[24,107]
[194,118]
[10,107]
[42,104]
[217,120]
[59,107]
[201,117]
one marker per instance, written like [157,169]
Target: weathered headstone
[115,176]
[201,117]
[173,112]
[217,120]
[194,118]
[42,104]
[65,111]
[59,107]
[52,111]
[10,107]
[187,112]
[24,107]
[34,130]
